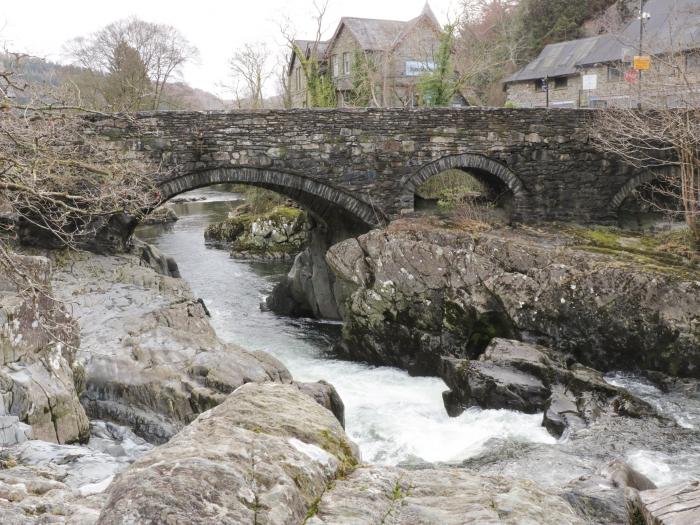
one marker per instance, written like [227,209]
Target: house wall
[297,86]
[420,45]
[659,86]
[393,87]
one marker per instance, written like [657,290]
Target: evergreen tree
[439,87]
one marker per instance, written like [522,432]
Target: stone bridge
[365,164]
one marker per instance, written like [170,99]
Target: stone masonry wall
[367,162]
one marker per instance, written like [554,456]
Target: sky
[217,28]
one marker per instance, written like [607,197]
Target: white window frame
[346,63]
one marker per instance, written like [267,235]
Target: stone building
[597,71]
[388,55]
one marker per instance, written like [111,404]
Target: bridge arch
[481,166]
[322,199]
[633,184]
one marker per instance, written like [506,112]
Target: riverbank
[152,356]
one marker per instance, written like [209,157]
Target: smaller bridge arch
[322,199]
[635,182]
[479,164]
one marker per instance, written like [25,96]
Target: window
[346,63]
[692,61]
[334,62]
[416,68]
[540,84]
[615,73]
[561,82]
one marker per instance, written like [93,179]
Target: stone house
[392,54]
[597,71]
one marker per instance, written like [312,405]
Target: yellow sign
[642,63]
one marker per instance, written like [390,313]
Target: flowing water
[393,417]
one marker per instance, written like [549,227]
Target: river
[393,417]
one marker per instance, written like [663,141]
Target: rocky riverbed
[185,427]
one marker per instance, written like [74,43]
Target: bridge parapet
[366,163]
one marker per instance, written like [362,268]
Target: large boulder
[674,505]
[530,378]
[413,295]
[151,359]
[265,455]
[38,370]
[374,495]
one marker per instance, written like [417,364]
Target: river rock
[38,340]
[44,483]
[277,234]
[674,505]
[161,215]
[265,455]
[376,495]
[530,378]
[414,295]
[327,396]
[151,359]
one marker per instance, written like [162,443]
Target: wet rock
[327,396]
[38,340]
[446,496]
[309,287]
[151,359]
[153,258]
[561,412]
[489,385]
[623,475]
[162,215]
[674,505]
[530,378]
[265,455]
[415,295]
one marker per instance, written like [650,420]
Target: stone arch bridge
[365,164]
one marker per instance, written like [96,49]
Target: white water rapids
[392,417]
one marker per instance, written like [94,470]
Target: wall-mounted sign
[590,81]
[631,76]
[641,63]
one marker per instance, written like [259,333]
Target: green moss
[665,253]
[340,449]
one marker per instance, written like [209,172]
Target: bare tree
[55,178]
[130,62]
[663,138]
[488,47]
[249,66]
[319,86]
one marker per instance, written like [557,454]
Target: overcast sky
[217,28]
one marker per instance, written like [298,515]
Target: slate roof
[306,46]
[674,24]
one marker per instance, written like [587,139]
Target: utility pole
[641,42]
[642,18]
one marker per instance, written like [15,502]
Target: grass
[449,185]
[668,252]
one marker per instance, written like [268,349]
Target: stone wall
[659,85]
[366,163]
